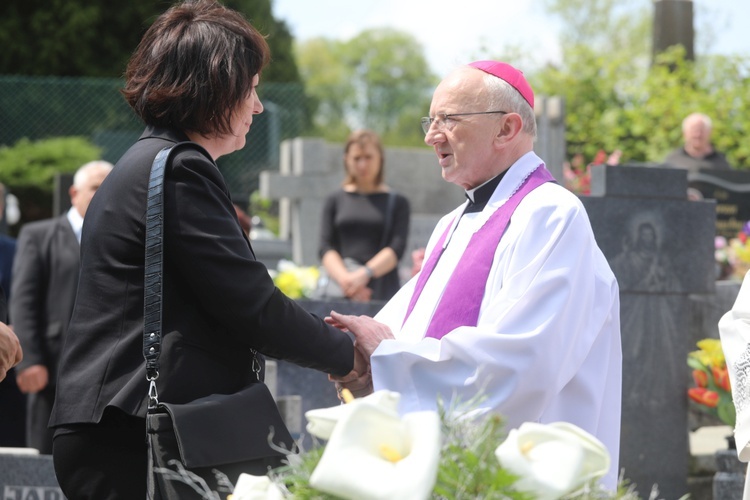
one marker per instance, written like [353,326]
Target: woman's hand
[354,282]
[10,350]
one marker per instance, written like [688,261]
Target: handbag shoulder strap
[153,266]
[389,208]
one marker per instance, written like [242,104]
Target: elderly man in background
[698,151]
[45,279]
[515,302]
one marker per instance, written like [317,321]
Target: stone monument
[660,247]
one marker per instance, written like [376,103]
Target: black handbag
[197,450]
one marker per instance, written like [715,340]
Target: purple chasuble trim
[463,294]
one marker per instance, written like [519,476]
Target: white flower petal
[552,460]
[321,422]
[251,487]
[353,467]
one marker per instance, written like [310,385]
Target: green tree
[618,98]
[29,169]
[96,37]
[379,79]
[71,37]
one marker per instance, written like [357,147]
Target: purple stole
[462,297]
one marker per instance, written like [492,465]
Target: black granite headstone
[731,190]
[660,247]
[28,477]
[730,476]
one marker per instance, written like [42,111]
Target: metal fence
[40,108]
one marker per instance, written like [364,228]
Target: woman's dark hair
[362,138]
[193,67]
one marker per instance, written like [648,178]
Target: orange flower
[704,396]
[701,378]
[721,376]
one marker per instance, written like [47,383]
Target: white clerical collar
[76,222]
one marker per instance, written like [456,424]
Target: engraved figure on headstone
[642,265]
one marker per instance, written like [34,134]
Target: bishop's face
[463,144]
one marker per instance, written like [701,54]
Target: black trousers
[104,461]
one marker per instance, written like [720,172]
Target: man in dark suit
[45,279]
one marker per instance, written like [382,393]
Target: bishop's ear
[510,126]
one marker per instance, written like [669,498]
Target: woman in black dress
[362,239]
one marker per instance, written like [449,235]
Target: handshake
[368,334]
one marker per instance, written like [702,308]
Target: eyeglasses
[443,121]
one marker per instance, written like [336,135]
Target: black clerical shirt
[478,197]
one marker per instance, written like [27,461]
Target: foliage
[618,97]
[378,79]
[712,392]
[35,163]
[93,38]
[468,465]
[28,169]
[71,37]
[266,210]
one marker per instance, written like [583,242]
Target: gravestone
[729,479]
[28,476]
[731,190]
[660,247]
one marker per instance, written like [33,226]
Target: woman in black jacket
[192,79]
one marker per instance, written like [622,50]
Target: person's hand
[361,365]
[32,379]
[359,387]
[368,332]
[354,282]
[10,350]
[362,295]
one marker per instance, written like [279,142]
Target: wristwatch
[368,271]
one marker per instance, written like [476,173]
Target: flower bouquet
[712,391]
[296,282]
[372,452]
[733,255]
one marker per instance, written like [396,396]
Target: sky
[454,31]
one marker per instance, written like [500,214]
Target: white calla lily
[321,422]
[374,454]
[552,460]
[251,487]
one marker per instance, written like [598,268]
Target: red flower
[703,396]
[721,377]
[701,378]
